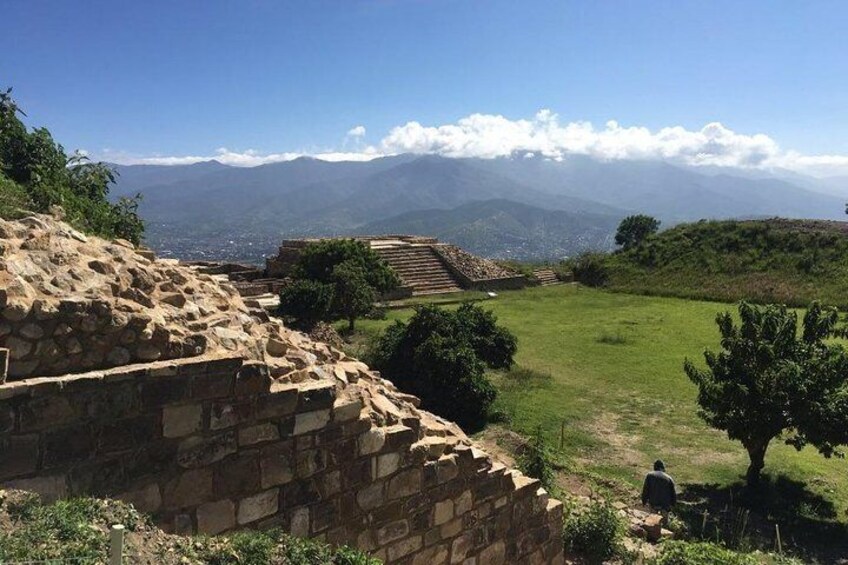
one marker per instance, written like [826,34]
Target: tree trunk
[757,455]
[350,322]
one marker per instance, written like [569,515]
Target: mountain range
[522,207]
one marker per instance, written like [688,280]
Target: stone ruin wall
[214,444]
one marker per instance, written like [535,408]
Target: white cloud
[490,136]
[358,131]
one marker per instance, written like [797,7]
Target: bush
[591,269]
[536,461]
[441,357]
[596,533]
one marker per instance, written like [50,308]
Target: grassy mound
[78,529]
[786,261]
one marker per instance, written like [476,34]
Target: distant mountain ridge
[209,208]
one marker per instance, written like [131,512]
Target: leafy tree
[633,230]
[307,302]
[441,356]
[767,381]
[38,174]
[344,278]
[353,296]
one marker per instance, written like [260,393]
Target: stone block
[316,396]
[310,462]
[128,433]
[300,522]
[311,421]
[216,517]
[50,488]
[68,445]
[179,421]
[252,379]
[403,548]
[464,503]
[226,415]
[18,455]
[210,386]
[160,391]
[372,441]
[324,515]
[279,404]
[191,488]
[237,475]
[258,506]
[371,496]
[494,554]
[460,547]
[405,483]
[386,464]
[276,464]
[435,555]
[46,412]
[258,434]
[346,409]
[201,451]
[392,531]
[443,512]
[451,529]
[146,499]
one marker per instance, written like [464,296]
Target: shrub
[596,532]
[441,357]
[591,268]
[536,460]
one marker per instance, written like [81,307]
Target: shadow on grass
[745,517]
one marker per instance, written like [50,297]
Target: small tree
[633,230]
[344,278]
[767,380]
[352,295]
[441,356]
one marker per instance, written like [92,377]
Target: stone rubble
[472,266]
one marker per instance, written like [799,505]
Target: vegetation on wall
[441,356]
[36,175]
[335,279]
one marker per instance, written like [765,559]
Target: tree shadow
[745,517]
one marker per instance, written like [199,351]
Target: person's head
[659,465]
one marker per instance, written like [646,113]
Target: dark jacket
[659,490]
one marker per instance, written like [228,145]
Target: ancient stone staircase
[546,277]
[419,267]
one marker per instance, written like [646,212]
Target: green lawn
[609,365]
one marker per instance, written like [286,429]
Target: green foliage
[704,553]
[36,174]
[306,302]
[633,230]
[336,279]
[441,356]
[596,532]
[767,379]
[766,261]
[537,461]
[590,268]
[63,530]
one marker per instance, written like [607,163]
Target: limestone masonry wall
[214,444]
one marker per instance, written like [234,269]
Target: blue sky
[179,78]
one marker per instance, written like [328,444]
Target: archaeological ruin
[126,376]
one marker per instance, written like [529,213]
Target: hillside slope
[777,260]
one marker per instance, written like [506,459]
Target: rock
[175,299]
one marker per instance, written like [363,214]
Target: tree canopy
[633,230]
[36,175]
[768,381]
[441,356]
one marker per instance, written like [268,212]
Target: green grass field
[609,365]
